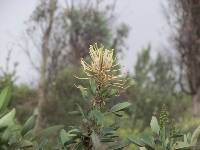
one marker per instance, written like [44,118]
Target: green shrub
[62,99]
[165,136]
[104,84]
[14,136]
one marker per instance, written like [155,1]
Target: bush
[165,136]
[104,83]
[13,135]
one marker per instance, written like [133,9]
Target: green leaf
[29,124]
[84,93]
[182,146]
[119,113]
[5,99]
[108,131]
[64,137]
[177,135]
[113,92]
[49,131]
[136,142]
[8,119]
[25,144]
[11,134]
[120,107]
[67,137]
[107,140]
[195,135]
[97,116]
[29,135]
[6,135]
[74,131]
[74,113]
[81,111]
[148,142]
[154,125]
[109,93]
[93,86]
[119,146]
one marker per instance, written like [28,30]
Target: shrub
[165,136]
[15,136]
[104,84]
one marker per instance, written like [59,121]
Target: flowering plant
[165,136]
[104,83]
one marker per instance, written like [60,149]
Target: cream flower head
[102,67]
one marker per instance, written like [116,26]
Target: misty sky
[144,17]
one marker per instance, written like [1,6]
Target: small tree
[156,83]
[185,21]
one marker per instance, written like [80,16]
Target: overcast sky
[144,17]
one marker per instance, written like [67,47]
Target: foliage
[156,83]
[23,99]
[104,84]
[165,136]
[62,99]
[15,136]
[99,115]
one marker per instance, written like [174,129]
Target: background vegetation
[62,35]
